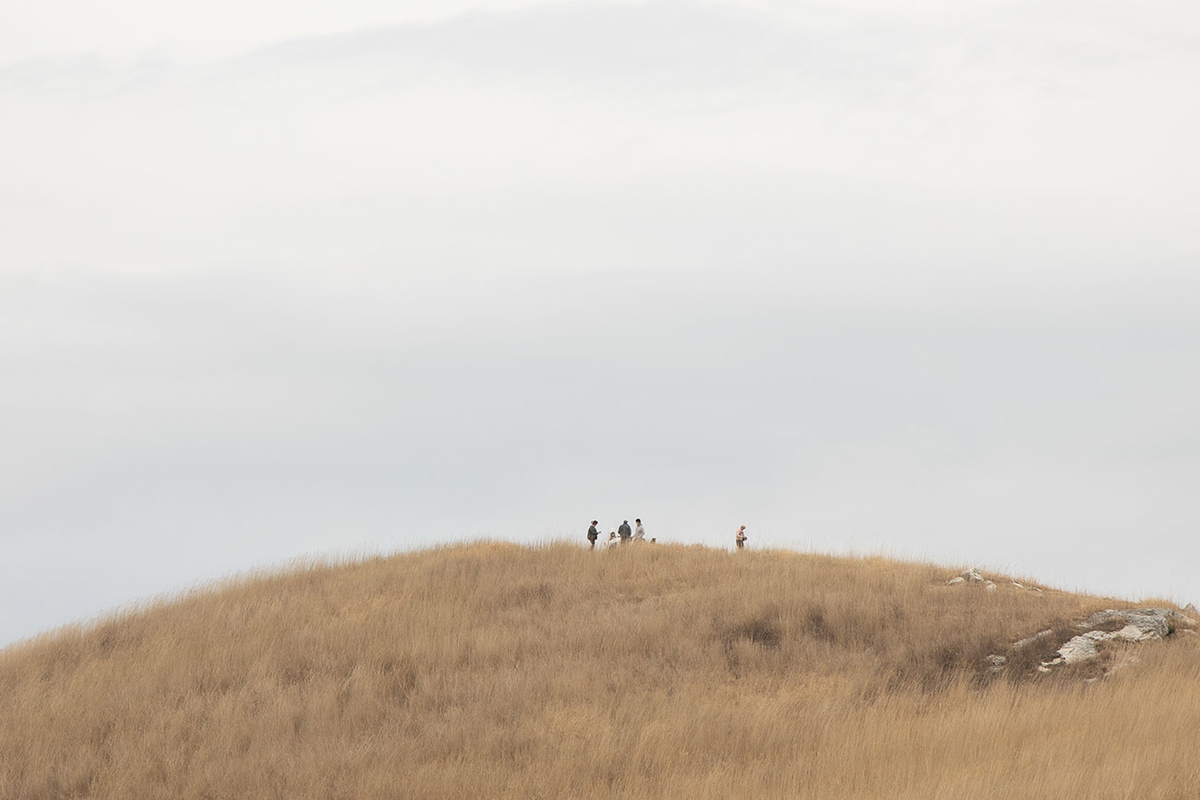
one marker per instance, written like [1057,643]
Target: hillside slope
[495,670]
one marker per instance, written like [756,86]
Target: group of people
[619,535]
[623,533]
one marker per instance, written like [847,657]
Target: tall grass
[494,670]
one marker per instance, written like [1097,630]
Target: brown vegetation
[553,672]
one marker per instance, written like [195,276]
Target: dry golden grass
[494,670]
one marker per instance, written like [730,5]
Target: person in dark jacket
[625,531]
[593,534]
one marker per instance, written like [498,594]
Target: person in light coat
[639,533]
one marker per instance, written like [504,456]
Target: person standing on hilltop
[741,537]
[613,539]
[625,531]
[593,534]
[639,533]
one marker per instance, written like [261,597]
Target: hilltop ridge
[496,670]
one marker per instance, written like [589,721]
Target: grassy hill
[494,670]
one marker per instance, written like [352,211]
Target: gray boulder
[1148,623]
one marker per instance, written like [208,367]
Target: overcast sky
[287,278]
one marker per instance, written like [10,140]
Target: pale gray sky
[282,278]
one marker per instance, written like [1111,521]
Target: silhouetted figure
[625,531]
[593,534]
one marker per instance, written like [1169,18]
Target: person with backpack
[625,531]
[593,534]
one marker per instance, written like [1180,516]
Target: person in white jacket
[639,533]
[613,539]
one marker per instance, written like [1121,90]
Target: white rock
[991,587]
[1046,665]
[957,579]
[1141,629]
[1132,633]
[972,574]
[1082,647]
[995,663]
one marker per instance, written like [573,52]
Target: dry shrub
[761,629]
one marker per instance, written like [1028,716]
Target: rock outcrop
[973,575]
[1136,625]
[1131,625]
